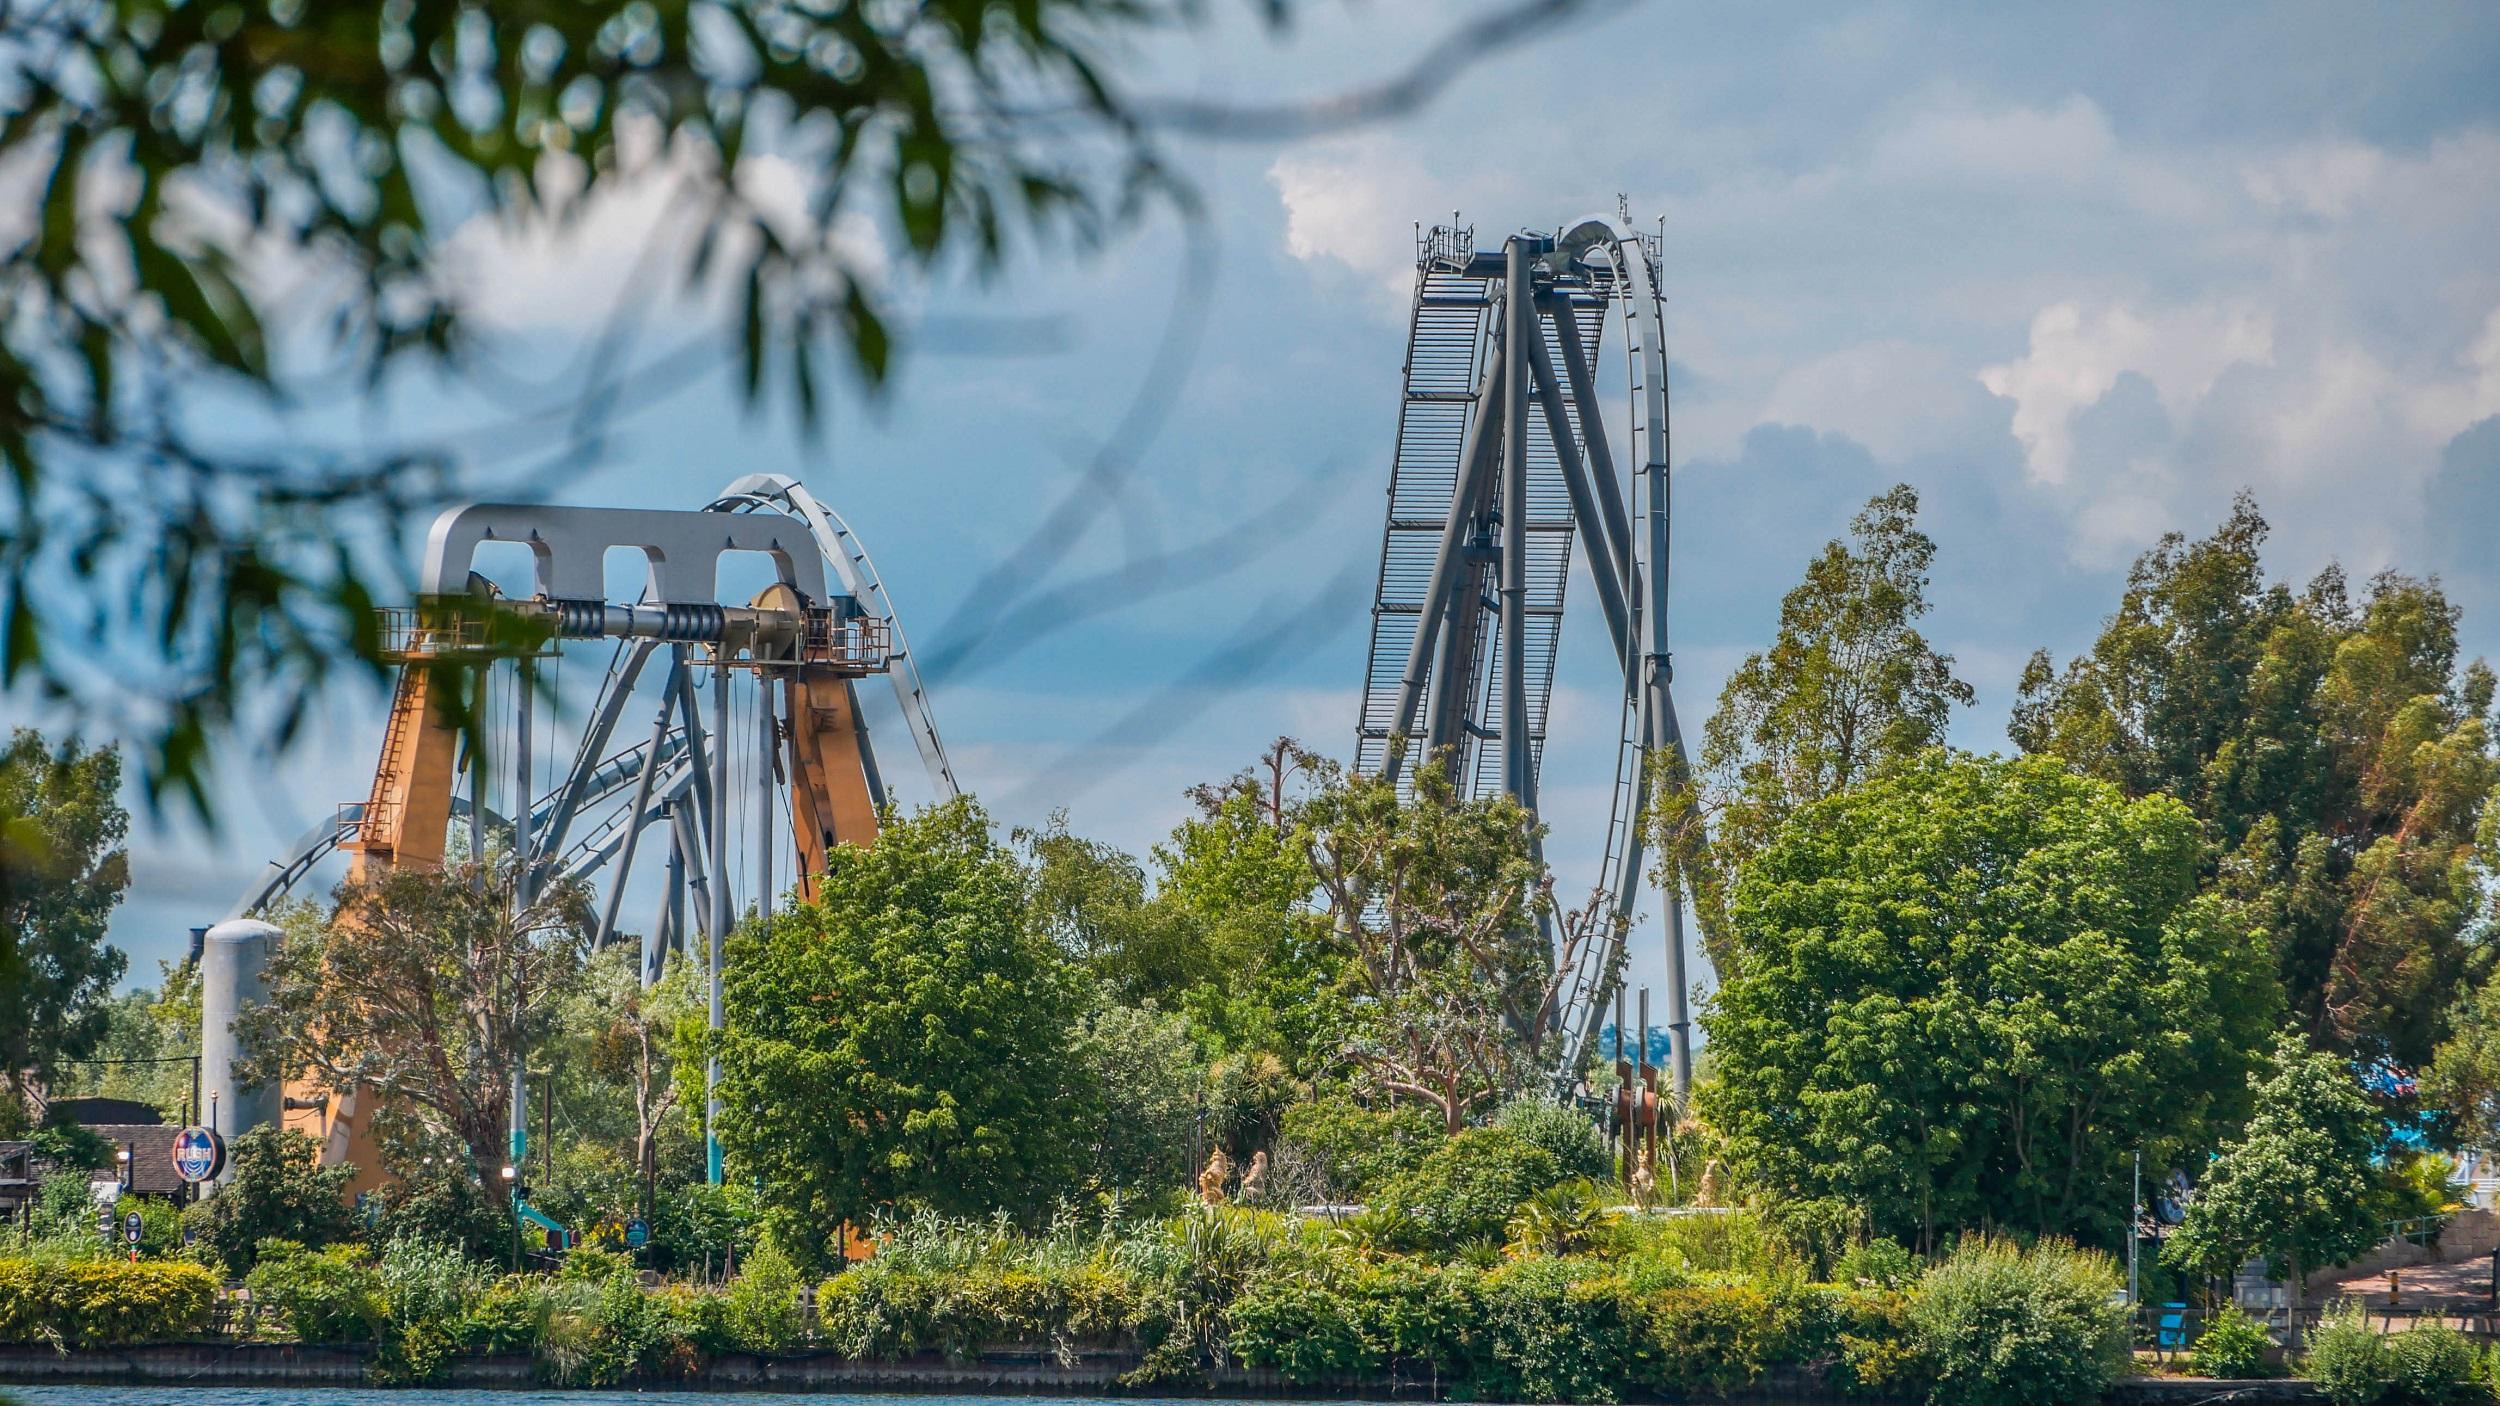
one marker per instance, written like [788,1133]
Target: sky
[2078,274]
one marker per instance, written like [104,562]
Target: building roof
[151,1147]
[95,1111]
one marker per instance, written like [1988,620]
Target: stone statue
[1254,1181]
[1645,1179]
[1707,1194]
[1211,1182]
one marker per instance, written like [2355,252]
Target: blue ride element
[2170,1330]
[558,1238]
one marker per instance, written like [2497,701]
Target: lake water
[363,1397]
[348,1396]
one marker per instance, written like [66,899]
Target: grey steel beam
[586,758]
[642,801]
[720,913]
[1601,457]
[765,769]
[1518,761]
[525,682]
[1474,461]
[1584,503]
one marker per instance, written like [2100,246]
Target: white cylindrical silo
[234,967]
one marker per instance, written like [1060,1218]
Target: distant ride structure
[1508,454]
[757,753]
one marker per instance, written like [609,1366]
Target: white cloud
[2075,358]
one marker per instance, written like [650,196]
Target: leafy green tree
[1238,875]
[1974,987]
[1154,1086]
[2295,1186]
[1848,687]
[1354,1150]
[2339,754]
[1091,898]
[1435,898]
[62,872]
[276,1189]
[2464,1074]
[904,1039]
[427,989]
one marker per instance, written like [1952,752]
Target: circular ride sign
[637,1233]
[199,1154]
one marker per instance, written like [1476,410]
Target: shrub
[2432,1365]
[1464,1191]
[1307,1331]
[1547,1330]
[510,1316]
[1709,1340]
[1358,1150]
[86,1303]
[324,1296]
[2233,1345]
[761,1308]
[1724,1242]
[276,1190]
[2348,1359]
[1568,1133]
[1874,1350]
[427,1292]
[1880,1263]
[1999,1325]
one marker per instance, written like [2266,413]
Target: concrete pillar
[234,967]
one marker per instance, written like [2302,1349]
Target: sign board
[133,1227]
[637,1233]
[104,1221]
[199,1154]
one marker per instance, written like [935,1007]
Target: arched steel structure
[1505,458]
[796,653]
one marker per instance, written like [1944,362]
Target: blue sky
[2076,273]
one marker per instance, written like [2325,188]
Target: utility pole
[2135,1238]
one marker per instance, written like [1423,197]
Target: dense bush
[1720,1338]
[2233,1345]
[1463,1192]
[2432,1364]
[762,1309]
[87,1303]
[1358,1150]
[2000,1325]
[1547,1330]
[2348,1359]
[276,1189]
[331,1295]
[1880,1263]
[1570,1134]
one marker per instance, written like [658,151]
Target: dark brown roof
[151,1148]
[94,1111]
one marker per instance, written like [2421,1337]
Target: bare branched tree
[421,994]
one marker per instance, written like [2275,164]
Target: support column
[642,803]
[766,751]
[720,909]
[1519,324]
[525,679]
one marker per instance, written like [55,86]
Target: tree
[1237,875]
[425,989]
[62,872]
[1973,989]
[2463,1079]
[1091,898]
[903,1040]
[1436,899]
[2296,1185]
[1154,1091]
[276,1189]
[2340,757]
[1849,686]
